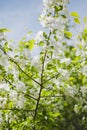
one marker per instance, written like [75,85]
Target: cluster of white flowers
[63,72]
[3,102]
[17,99]
[65,60]
[77,108]
[4,60]
[39,37]
[48,18]
[84,70]
[71,91]
[2,37]
[84,91]
[21,101]
[13,96]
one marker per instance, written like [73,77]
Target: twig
[50,78]
[16,109]
[54,96]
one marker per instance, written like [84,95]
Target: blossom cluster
[55,15]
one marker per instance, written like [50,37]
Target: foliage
[47,91]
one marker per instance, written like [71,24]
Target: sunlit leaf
[74,14]
[68,34]
[85,20]
[85,30]
[77,20]
[31,44]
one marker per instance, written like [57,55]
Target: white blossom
[65,60]
[63,72]
[39,37]
[3,101]
[84,70]
[50,21]
[76,108]
[71,90]
[83,90]
[21,101]
[13,96]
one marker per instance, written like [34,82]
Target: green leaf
[57,114]
[3,30]
[58,8]
[41,43]
[71,78]
[54,31]
[64,16]
[85,30]
[10,77]
[77,20]
[85,20]
[1,78]
[30,32]
[68,34]
[74,14]
[6,49]
[56,38]
[45,35]
[3,92]
[31,44]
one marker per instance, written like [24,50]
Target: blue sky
[20,14]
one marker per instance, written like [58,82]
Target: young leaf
[56,38]
[77,20]
[45,35]
[68,34]
[31,44]
[74,14]
[85,20]
[85,30]
[41,43]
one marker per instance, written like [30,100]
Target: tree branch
[23,71]
[41,86]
